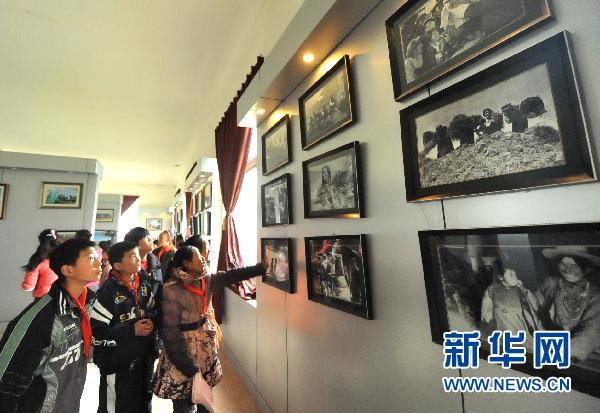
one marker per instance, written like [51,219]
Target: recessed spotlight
[176,165]
[260,111]
[308,57]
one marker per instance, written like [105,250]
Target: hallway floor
[231,395]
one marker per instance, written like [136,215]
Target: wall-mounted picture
[275,201]
[279,274]
[3,198]
[332,183]
[428,39]
[337,273]
[519,279]
[100,235]
[195,226]
[518,124]
[154,224]
[207,195]
[197,202]
[205,223]
[64,235]
[327,107]
[276,148]
[105,215]
[61,195]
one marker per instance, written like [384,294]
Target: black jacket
[42,360]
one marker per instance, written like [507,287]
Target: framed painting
[64,235]
[3,198]
[154,224]
[105,215]
[327,107]
[532,278]
[279,274]
[276,202]
[332,184]
[517,124]
[428,39]
[205,223]
[276,148]
[61,195]
[337,273]
[207,195]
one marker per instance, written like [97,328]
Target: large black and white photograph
[429,38]
[520,118]
[276,149]
[275,197]
[337,273]
[327,107]
[332,183]
[519,279]
[279,273]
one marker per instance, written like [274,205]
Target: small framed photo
[275,201]
[64,235]
[205,223]
[332,184]
[276,148]
[207,196]
[327,107]
[428,39]
[105,215]
[337,273]
[517,124]
[196,203]
[154,224]
[279,274]
[3,198]
[101,235]
[61,195]
[529,279]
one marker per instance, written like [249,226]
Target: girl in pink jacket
[39,277]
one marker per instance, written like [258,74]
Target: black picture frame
[546,142]
[276,146]
[274,210]
[337,273]
[416,60]
[319,121]
[197,202]
[278,253]
[342,196]
[3,200]
[205,223]
[207,195]
[468,287]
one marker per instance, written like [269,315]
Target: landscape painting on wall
[61,195]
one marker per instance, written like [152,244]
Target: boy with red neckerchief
[165,250]
[123,324]
[44,351]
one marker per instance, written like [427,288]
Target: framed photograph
[105,215]
[518,124]
[64,235]
[205,223]
[332,184]
[276,148]
[3,198]
[519,279]
[196,202]
[275,201]
[101,235]
[61,195]
[428,39]
[280,273]
[154,224]
[207,195]
[328,106]
[195,226]
[337,274]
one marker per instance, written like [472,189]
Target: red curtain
[188,214]
[232,144]
[128,201]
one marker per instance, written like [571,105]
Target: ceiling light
[260,111]
[176,165]
[308,57]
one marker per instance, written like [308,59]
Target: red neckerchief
[145,265]
[200,293]
[165,248]
[86,329]
[132,288]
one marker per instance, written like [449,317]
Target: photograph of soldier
[332,183]
[275,146]
[275,202]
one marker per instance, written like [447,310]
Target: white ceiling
[138,84]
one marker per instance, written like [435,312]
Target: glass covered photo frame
[276,252]
[275,202]
[276,148]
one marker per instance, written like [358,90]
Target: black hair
[118,251]
[196,241]
[185,253]
[105,245]
[67,253]
[136,234]
[47,244]
[83,234]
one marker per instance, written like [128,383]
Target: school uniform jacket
[42,360]
[116,347]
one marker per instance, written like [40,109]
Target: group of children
[45,349]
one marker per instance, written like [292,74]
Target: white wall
[109,201]
[149,212]
[313,358]
[25,219]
